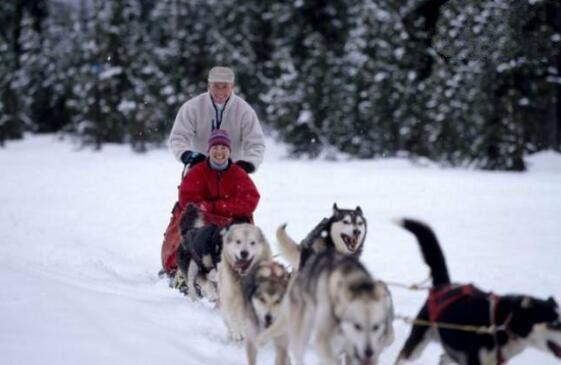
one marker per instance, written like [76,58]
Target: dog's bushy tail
[290,250]
[430,248]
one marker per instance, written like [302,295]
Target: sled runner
[172,236]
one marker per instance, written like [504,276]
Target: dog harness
[439,299]
[493,305]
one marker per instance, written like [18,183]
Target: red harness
[439,299]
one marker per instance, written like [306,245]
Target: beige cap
[221,74]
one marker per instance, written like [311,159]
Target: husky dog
[263,290]
[519,321]
[344,232]
[198,255]
[243,247]
[335,299]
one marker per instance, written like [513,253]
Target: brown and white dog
[264,289]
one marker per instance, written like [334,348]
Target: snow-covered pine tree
[243,39]
[140,105]
[304,102]
[179,30]
[43,63]
[21,25]
[373,91]
[103,92]
[11,121]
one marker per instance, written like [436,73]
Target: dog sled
[172,236]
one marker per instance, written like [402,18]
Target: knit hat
[219,137]
[221,74]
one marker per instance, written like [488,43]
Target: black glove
[247,166]
[192,158]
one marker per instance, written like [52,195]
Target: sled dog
[198,255]
[335,299]
[344,232]
[263,290]
[243,247]
[515,321]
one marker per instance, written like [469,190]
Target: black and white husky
[519,321]
[198,255]
[343,232]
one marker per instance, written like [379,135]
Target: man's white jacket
[196,119]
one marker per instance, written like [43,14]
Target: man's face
[220,91]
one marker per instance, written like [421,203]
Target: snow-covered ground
[81,231]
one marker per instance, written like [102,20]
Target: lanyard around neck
[217,122]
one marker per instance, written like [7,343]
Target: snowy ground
[80,236]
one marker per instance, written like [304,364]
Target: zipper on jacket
[218,177]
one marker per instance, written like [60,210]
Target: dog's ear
[358,210]
[526,303]
[551,301]
[335,208]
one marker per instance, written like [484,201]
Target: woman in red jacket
[217,185]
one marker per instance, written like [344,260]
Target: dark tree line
[473,83]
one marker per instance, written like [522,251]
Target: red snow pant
[172,236]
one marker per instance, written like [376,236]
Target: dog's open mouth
[242,265]
[555,348]
[350,241]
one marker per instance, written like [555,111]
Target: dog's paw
[236,336]
[180,283]
[210,291]
[212,275]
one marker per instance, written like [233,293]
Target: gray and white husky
[334,299]
[263,291]
[343,232]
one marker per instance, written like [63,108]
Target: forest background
[465,83]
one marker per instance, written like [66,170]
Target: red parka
[229,193]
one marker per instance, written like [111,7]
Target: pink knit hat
[219,137]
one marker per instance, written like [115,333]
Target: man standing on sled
[218,108]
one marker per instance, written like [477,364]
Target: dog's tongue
[242,265]
[351,242]
[556,349]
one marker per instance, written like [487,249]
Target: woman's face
[219,154]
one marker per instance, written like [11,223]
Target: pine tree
[179,31]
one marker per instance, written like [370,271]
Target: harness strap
[493,313]
[440,299]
